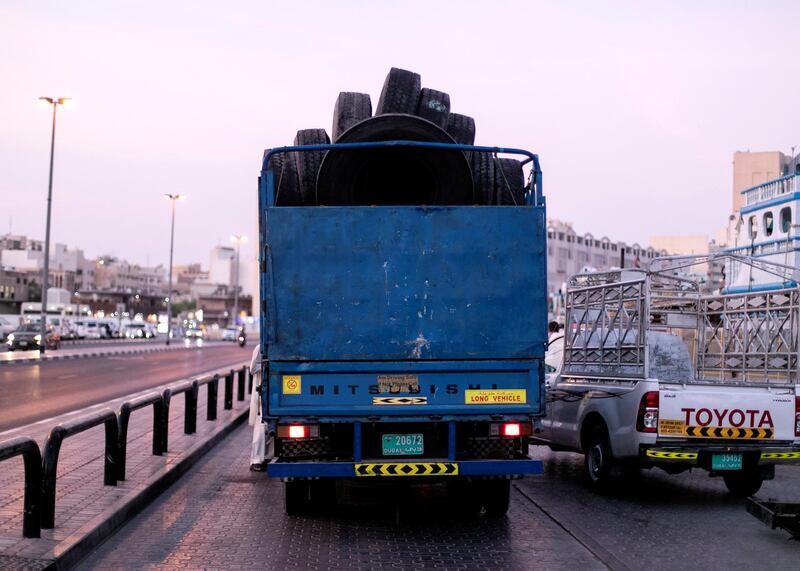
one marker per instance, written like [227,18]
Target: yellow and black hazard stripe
[780,455]
[665,455]
[726,432]
[400,400]
[407,469]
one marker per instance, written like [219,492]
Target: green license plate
[402,444]
[726,462]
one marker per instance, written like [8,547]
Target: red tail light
[511,429]
[647,419]
[297,431]
[797,416]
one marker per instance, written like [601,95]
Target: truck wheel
[496,497]
[461,128]
[483,166]
[743,484]
[509,182]
[287,185]
[322,495]
[598,460]
[350,108]
[296,497]
[434,106]
[308,163]
[400,92]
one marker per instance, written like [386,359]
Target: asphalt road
[30,393]
[221,516]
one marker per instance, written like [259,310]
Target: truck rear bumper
[431,469]
[698,455]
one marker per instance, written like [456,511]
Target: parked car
[229,334]
[28,337]
[139,330]
[8,323]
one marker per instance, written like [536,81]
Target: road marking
[67,376]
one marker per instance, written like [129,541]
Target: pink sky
[635,108]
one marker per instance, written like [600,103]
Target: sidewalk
[28,357]
[86,510]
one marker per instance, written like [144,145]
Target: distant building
[216,302]
[221,263]
[753,168]
[69,268]
[13,290]
[112,274]
[570,253]
[184,277]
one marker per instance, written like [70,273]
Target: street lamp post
[238,239]
[173,198]
[55,102]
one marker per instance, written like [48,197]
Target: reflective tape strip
[780,455]
[726,432]
[663,455]
[407,469]
[400,400]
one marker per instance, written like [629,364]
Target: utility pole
[55,102]
[173,198]
[238,239]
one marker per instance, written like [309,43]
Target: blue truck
[402,343]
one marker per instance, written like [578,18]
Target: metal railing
[771,189]
[29,450]
[41,469]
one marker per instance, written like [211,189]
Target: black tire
[323,495]
[308,163]
[400,92]
[297,497]
[434,106]
[395,175]
[743,484]
[285,179]
[598,459]
[483,176]
[350,109]
[509,182]
[461,128]
[496,496]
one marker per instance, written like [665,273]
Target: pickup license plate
[402,444]
[726,462]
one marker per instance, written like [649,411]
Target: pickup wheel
[400,92]
[496,495]
[743,484]
[598,459]
[297,497]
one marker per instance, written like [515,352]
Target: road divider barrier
[41,468]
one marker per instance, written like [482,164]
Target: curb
[104,353]
[75,547]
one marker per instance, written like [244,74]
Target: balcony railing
[771,189]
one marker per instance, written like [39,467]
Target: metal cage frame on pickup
[744,337]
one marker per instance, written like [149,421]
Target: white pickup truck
[650,372]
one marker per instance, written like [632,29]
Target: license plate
[402,444]
[23,343]
[726,462]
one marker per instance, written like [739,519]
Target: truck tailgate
[726,412]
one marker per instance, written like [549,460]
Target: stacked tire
[399,175]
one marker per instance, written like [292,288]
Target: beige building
[753,168]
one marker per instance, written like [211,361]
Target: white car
[8,323]
[229,334]
[139,330]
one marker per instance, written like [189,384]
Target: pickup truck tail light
[797,416]
[647,419]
